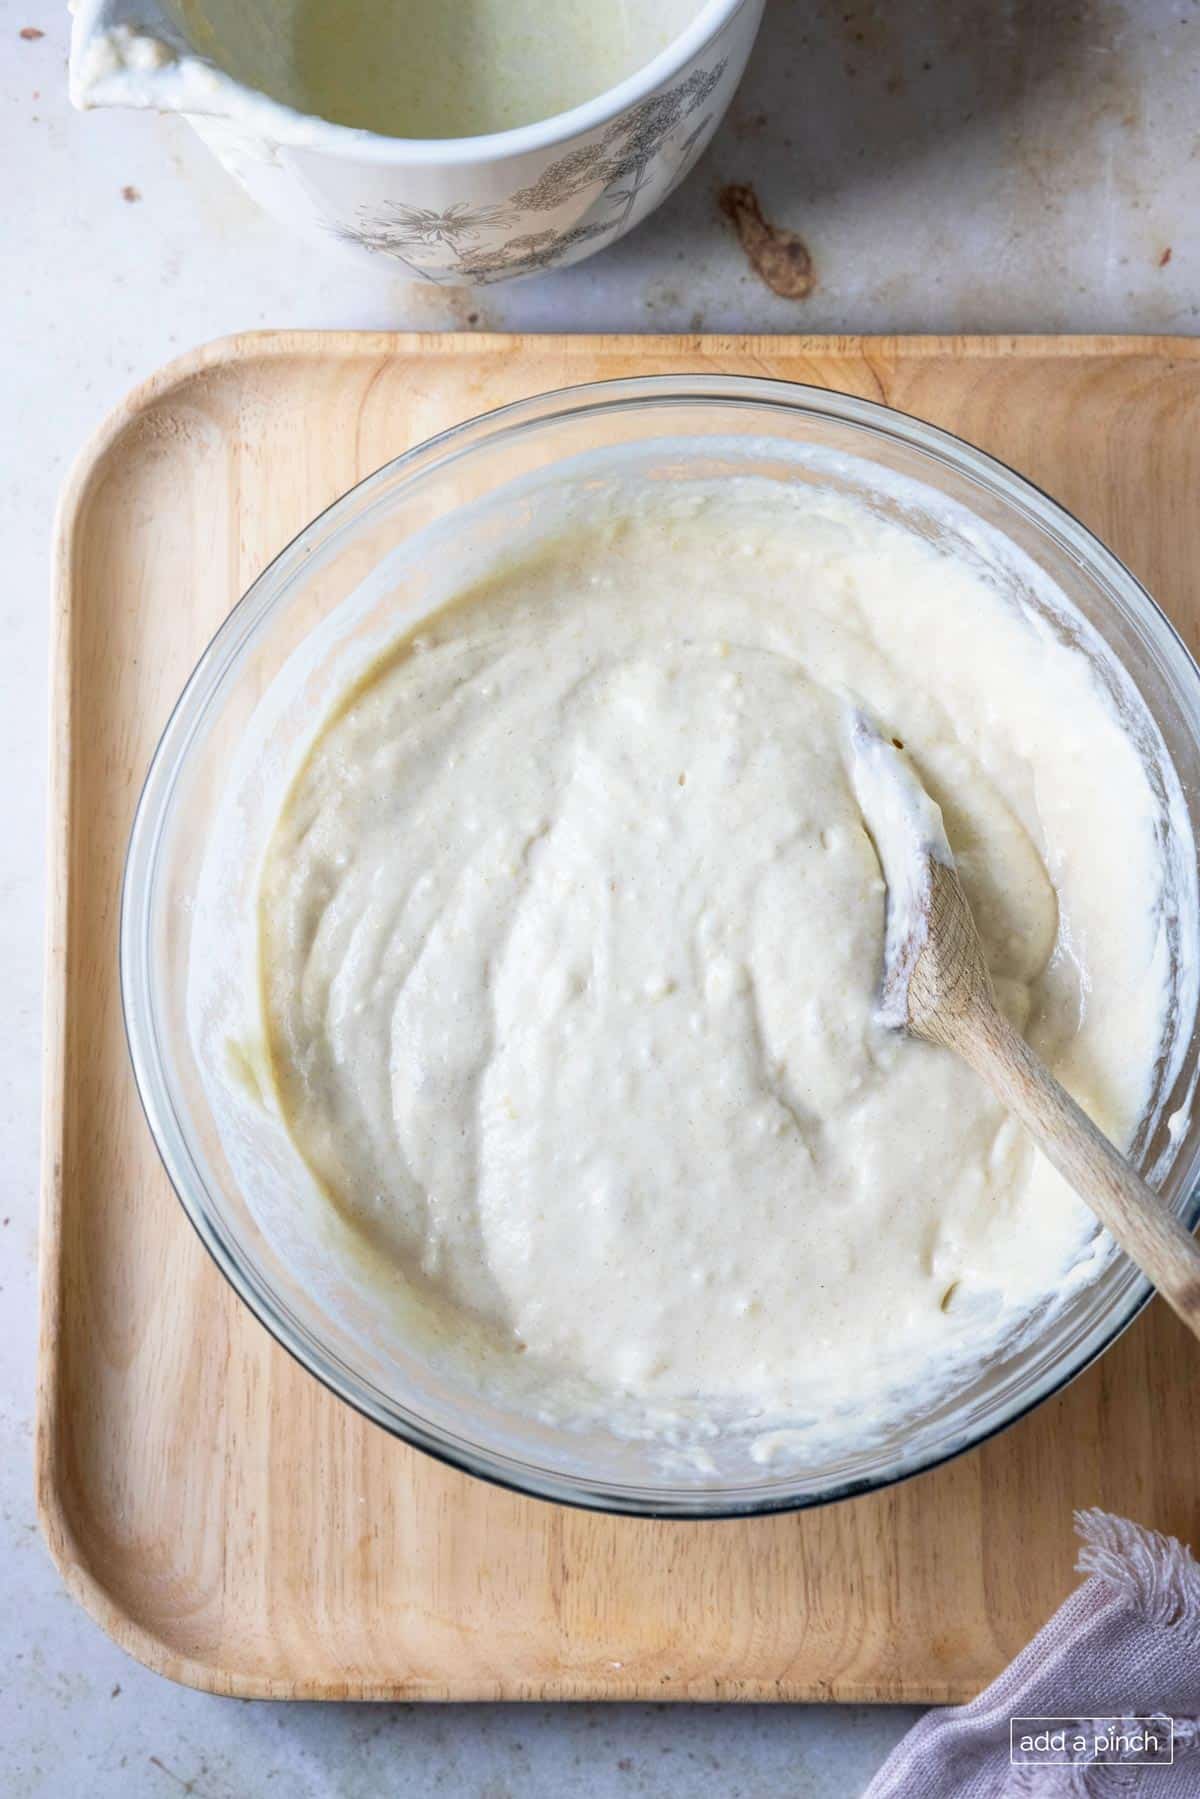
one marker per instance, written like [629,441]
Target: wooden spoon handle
[1149,1233]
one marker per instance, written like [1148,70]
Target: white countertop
[953,165]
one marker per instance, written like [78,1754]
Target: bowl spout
[136,53]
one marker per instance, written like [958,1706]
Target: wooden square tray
[219,1513]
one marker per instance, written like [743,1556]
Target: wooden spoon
[936,986]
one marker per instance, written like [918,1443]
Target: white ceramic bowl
[454,210]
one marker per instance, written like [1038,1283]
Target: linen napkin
[1112,1679]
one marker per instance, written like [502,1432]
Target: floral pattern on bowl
[642,150]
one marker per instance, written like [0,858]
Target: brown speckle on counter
[746,124]
[778,256]
[130,194]
[431,307]
[31,34]
[1165,258]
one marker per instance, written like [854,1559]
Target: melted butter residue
[432,68]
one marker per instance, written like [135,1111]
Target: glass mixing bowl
[362,573]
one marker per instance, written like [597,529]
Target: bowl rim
[289,126]
[431,457]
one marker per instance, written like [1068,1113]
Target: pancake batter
[571,934]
